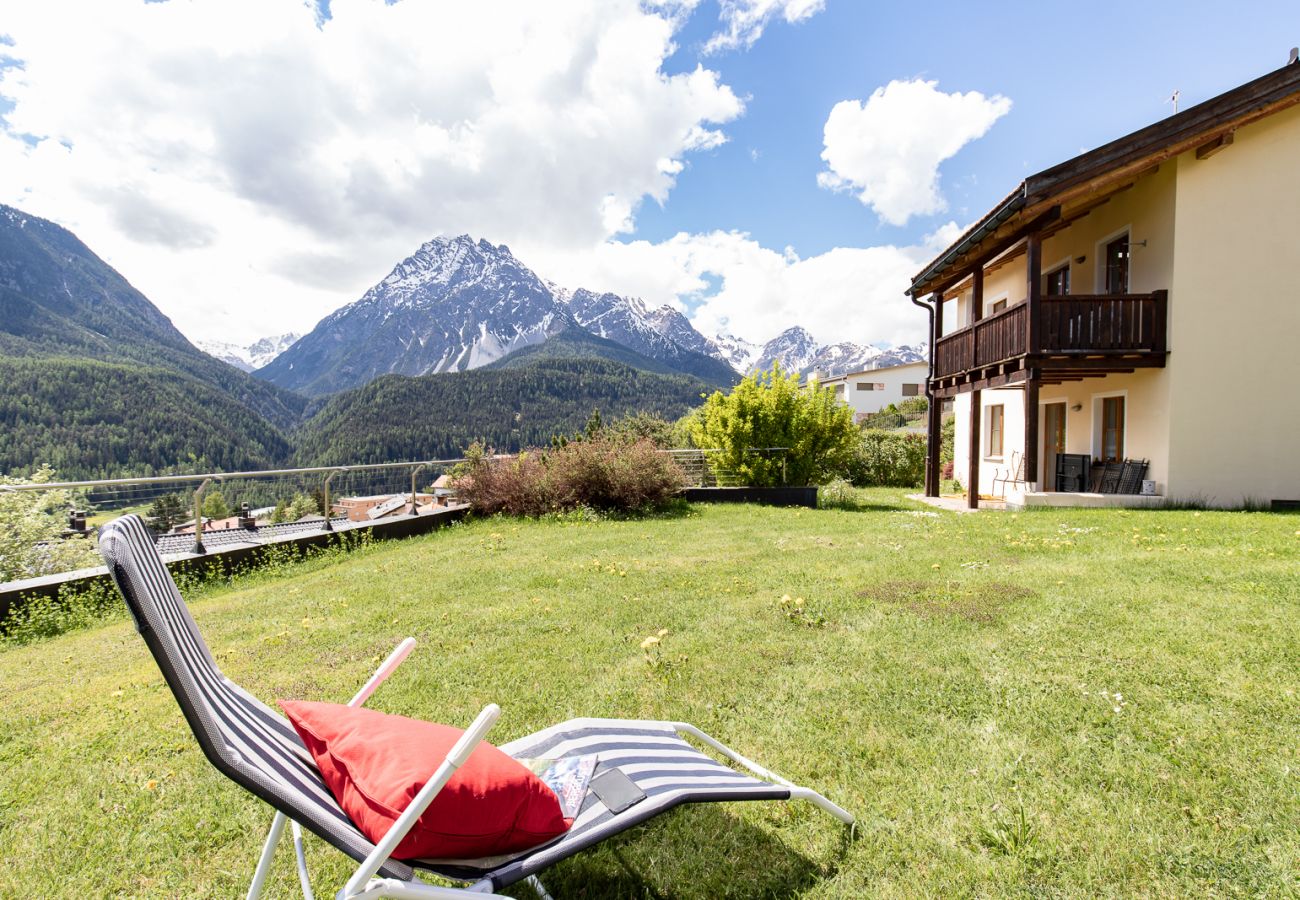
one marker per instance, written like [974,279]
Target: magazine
[568,777]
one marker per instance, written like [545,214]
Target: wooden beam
[977,294]
[1031,426]
[973,469]
[1033,287]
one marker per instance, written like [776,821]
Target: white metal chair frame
[363,885]
[1015,473]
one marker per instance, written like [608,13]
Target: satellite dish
[1295,54]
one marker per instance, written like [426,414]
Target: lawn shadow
[694,851]
[855,505]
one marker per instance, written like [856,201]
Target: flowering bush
[602,473]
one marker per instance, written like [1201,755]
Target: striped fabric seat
[664,766]
[247,742]
[260,751]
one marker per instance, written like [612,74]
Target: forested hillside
[95,420]
[438,416]
[58,299]
[577,343]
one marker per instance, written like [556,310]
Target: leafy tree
[770,410]
[641,426]
[215,506]
[168,511]
[302,505]
[280,513]
[31,532]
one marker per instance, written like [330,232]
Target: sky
[252,165]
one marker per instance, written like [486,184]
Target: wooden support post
[1031,428]
[977,294]
[934,420]
[973,470]
[1034,289]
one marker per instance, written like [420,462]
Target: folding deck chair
[259,750]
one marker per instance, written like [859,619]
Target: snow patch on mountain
[249,357]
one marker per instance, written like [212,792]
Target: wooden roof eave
[1105,170]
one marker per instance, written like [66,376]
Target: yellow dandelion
[662,632]
[649,642]
[935,566]
[151,784]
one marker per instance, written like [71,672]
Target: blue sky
[1078,76]
[252,165]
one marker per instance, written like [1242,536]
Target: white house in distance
[872,390]
[1135,304]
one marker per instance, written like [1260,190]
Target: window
[911,390]
[1117,255]
[1058,281]
[994,429]
[998,306]
[1112,429]
[866,385]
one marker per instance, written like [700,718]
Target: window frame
[991,411]
[1102,272]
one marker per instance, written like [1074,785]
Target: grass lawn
[1056,703]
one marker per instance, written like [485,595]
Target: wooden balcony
[1070,337]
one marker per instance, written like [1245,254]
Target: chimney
[246,520]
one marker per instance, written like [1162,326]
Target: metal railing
[700,468]
[206,480]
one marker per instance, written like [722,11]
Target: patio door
[1053,442]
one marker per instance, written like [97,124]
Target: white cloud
[844,294]
[744,20]
[888,150]
[250,168]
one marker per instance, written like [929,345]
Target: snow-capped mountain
[798,351]
[795,349]
[252,356]
[458,304]
[663,334]
[737,352]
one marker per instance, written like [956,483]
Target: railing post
[325,491]
[414,472]
[198,517]
[1160,340]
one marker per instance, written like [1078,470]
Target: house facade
[1138,302]
[871,390]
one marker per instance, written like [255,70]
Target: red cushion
[375,764]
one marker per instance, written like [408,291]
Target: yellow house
[1140,303]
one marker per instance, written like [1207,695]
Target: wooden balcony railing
[1068,326]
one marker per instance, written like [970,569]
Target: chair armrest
[456,758]
[386,668]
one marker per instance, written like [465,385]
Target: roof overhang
[1071,188]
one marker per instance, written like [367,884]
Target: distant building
[379,506]
[871,390]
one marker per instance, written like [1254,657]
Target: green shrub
[773,409]
[888,459]
[599,473]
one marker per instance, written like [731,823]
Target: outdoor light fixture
[1077,407]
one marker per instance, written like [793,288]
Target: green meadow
[1061,703]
